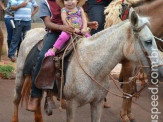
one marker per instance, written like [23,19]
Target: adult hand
[93,25]
[83,31]
[67,28]
[24,4]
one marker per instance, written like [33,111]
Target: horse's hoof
[49,105]
[48,111]
[14,120]
[132,120]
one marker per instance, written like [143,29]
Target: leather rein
[125,95]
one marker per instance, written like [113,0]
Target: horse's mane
[113,11]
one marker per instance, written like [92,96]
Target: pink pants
[63,38]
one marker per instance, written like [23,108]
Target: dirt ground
[142,107]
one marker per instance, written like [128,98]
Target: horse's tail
[26,90]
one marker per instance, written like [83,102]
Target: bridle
[137,37]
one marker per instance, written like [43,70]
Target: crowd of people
[17,18]
[61,18]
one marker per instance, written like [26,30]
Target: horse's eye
[148,42]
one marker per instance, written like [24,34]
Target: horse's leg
[17,97]
[129,113]
[71,110]
[96,111]
[38,115]
[127,69]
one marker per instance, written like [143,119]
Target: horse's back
[32,38]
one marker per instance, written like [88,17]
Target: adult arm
[35,6]
[52,26]
[16,7]
[35,10]
[2,5]
[45,15]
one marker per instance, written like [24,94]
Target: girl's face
[70,4]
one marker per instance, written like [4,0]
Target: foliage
[6,70]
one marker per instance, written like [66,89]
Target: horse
[147,9]
[1,42]
[98,55]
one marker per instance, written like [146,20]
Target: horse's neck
[101,52]
[149,8]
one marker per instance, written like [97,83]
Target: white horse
[98,55]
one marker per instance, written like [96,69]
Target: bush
[6,70]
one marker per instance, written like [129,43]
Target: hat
[80,3]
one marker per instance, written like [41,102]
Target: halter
[136,34]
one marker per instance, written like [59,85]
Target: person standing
[22,19]
[9,16]
[96,13]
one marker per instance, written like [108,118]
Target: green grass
[6,70]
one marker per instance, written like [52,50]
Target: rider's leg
[36,93]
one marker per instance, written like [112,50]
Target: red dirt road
[141,108]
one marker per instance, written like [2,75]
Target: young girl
[73,15]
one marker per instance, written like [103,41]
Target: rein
[158,38]
[125,95]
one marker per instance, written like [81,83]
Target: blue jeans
[49,40]
[21,27]
[96,13]
[9,30]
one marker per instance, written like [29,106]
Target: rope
[158,38]
[62,75]
[77,57]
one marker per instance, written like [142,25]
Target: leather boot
[33,104]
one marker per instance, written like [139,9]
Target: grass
[6,70]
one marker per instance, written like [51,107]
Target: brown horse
[152,9]
[1,42]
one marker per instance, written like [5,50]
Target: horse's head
[143,45]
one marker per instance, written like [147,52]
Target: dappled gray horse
[98,55]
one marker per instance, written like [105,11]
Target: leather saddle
[50,71]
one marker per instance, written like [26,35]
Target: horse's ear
[133,17]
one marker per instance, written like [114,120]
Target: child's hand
[83,31]
[50,52]
[77,30]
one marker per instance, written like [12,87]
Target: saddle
[50,71]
